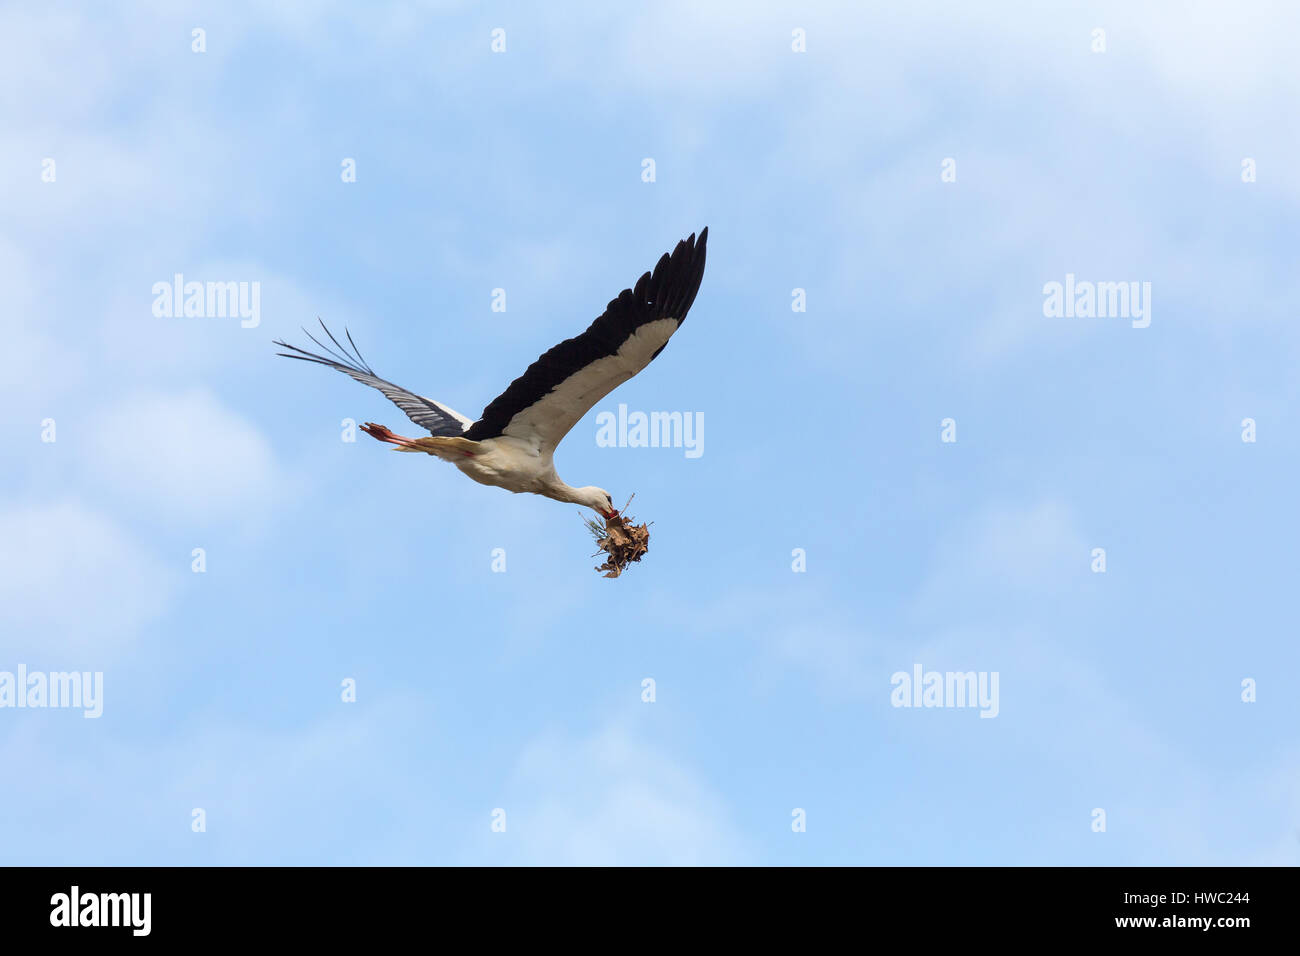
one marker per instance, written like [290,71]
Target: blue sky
[476,690]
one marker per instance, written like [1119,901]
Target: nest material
[620,540]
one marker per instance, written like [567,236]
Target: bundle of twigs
[620,539]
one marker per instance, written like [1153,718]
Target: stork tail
[434,445]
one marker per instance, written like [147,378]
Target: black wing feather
[668,292]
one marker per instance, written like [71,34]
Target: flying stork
[513,442]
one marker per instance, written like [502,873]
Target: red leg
[382,433]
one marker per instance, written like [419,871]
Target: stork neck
[587,497]
[557,489]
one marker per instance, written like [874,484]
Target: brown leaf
[623,543]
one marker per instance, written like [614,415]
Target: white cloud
[611,799]
[73,584]
[1007,552]
[25,331]
[183,453]
[271,794]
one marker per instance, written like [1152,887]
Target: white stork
[513,442]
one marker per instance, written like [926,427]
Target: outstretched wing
[559,388]
[425,412]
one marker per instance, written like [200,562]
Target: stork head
[598,500]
